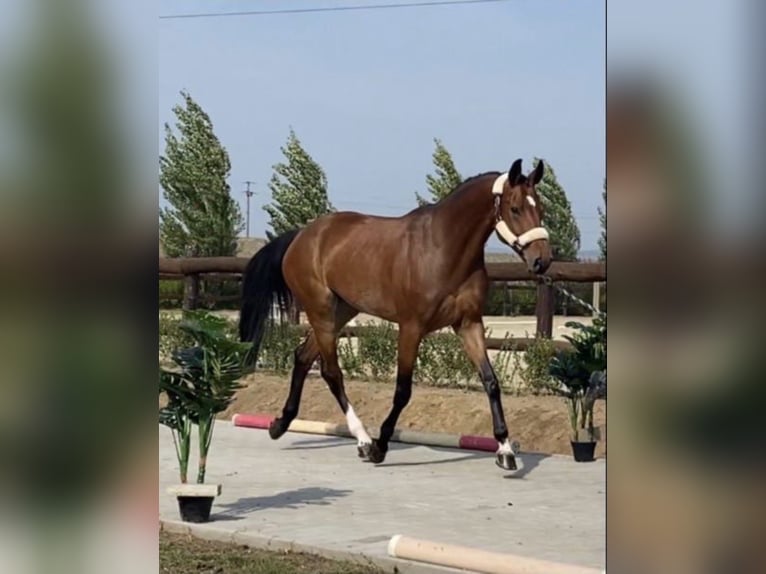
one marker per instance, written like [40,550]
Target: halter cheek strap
[501,227]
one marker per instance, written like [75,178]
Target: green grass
[184,554]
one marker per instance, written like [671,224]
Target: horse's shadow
[292,499]
[462,456]
[313,444]
[530,461]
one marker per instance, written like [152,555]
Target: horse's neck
[465,221]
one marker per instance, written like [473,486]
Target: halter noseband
[501,227]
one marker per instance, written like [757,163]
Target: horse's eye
[515,210]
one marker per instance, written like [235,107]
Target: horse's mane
[474,177]
[466,182]
[463,185]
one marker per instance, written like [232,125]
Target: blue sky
[367,91]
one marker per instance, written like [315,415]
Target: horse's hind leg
[305,355]
[326,329]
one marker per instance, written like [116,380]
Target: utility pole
[248,195]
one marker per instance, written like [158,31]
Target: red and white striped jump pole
[464,442]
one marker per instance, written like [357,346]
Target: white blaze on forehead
[531,201]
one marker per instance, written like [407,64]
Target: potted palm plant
[579,376]
[200,383]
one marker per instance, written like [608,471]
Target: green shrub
[496,303]
[504,366]
[522,301]
[171,293]
[277,351]
[171,336]
[349,359]
[378,349]
[211,290]
[442,362]
[532,369]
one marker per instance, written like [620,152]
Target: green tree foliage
[203,219]
[445,179]
[298,190]
[557,216]
[602,219]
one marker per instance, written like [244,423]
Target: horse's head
[518,214]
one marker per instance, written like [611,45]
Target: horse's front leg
[472,334]
[409,341]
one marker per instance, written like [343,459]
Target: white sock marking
[507,448]
[356,427]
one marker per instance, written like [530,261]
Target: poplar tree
[602,220]
[202,220]
[557,216]
[298,190]
[445,179]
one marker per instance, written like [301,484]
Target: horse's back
[355,255]
[350,227]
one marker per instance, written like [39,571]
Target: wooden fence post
[294,313]
[544,310]
[191,292]
[596,296]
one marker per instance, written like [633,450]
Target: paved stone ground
[314,491]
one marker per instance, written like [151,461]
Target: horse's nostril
[537,266]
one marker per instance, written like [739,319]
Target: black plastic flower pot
[584,451]
[195,508]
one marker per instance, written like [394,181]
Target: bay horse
[424,271]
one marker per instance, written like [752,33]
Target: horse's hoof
[375,454]
[506,461]
[363,450]
[277,429]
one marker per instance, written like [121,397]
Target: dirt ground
[540,424]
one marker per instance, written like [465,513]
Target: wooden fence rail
[493,343]
[191,270]
[515,271]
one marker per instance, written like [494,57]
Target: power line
[326,9]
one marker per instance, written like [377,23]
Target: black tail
[263,284]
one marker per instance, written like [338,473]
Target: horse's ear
[539,171]
[515,172]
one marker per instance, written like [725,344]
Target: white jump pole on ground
[466,558]
[407,436]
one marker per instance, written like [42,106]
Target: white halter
[502,228]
